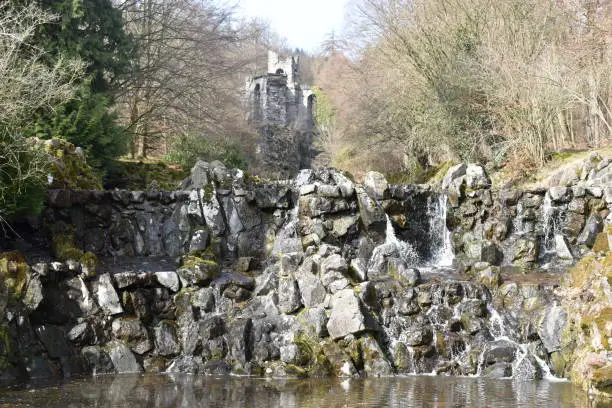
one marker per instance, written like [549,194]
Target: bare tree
[478,79]
[189,53]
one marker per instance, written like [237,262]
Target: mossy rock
[14,273]
[64,248]
[6,347]
[89,262]
[602,379]
[70,169]
[295,371]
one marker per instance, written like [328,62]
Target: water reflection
[200,391]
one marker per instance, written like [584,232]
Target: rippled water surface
[199,391]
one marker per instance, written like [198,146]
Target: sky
[303,22]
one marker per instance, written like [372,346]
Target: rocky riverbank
[317,276]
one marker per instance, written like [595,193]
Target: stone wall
[527,228]
[308,277]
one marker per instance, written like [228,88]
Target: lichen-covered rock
[372,215]
[453,174]
[560,194]
[562,247]
[334,271]
[526,250]
[99,361]
[289,299]
[399,270]
[240,341]
[490,276]
[476,177]
[168,279]
[375,363]
[594,226]
[583,320]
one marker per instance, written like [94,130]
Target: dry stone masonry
[311,276]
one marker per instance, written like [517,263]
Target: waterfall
[429,240]
[404,249]
[439,234]
[550,224]
[499,332]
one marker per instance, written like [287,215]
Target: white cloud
[303,22]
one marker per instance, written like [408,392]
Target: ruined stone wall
[280,108]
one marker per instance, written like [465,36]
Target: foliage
[87,122]
[325,110]
[188,148]
[140,175]
[472,80]
[91,30]
[27,84]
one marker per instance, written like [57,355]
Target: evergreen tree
[91,30]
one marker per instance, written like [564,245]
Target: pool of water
[136,391]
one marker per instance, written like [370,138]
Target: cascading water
[425,240]
[498,330]
[439,234]
[405,250]
[549,214]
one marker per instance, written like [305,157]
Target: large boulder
[334,270]
[166,340]
[594,226]
[453,174]
[289,299]
[551,327]
[476,177]
[311,289]
[197,271]
[372,215]
[376,185]
[106,295]
[122,358]
[348,315]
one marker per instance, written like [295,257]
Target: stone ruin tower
[282,109]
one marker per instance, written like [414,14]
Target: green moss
[64,248]
[602,378]
[191,261]
[88,263]
[14,272]
[293,370]
[417,174]
[601,241]
[208,192]
[70,170]
[6,346]
[216,354]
